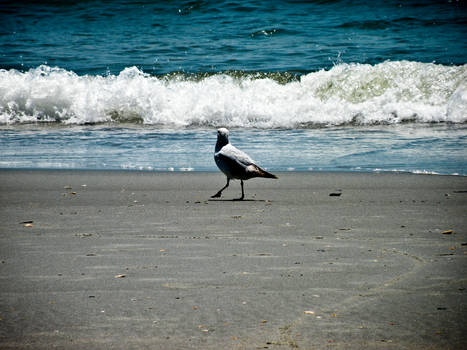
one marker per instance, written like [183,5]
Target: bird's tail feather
[264,173]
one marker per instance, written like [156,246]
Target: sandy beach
[129,260]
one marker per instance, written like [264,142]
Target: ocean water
[322,85]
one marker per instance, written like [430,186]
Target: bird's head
[223,136]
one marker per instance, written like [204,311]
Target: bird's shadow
[236,200]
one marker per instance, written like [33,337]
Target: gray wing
[235,154]
[234,163]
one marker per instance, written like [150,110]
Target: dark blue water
[98,37]
[319,85]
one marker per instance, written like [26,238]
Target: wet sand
[127,260]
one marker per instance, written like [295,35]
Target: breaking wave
[357,94]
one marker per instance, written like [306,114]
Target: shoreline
[133,260]
[189,170]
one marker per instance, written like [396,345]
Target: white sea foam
[390,92]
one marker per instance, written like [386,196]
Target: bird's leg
[218,194]
[243,194]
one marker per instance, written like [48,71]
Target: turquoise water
[436,149]
[303,86]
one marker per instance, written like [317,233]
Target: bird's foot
[217,195]
[238,199]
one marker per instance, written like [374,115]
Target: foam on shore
[388,93]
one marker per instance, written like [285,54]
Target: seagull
[234,163]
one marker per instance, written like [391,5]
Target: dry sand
[127,260]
